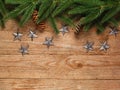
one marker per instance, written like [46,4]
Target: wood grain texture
[60,66]
[64,66]
[56,84]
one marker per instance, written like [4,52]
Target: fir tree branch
[53,24]
[3,10]
[2,24]
[114,22]
[62,7]
[67,20]
[89,2]
[27,14]
[110,14]
[18,1]
[89,18]
[101,12]
[81,9]
[42,9]
[87,27]
[100,28]
[17,11]
[47,13]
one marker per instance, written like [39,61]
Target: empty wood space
[64,66]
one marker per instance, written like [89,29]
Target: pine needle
[110,14]
[42,9]
[47,13]
[18,1]
[100,28]
[114,22]
[62,7]
[17,11]
[67,20]
[90,17]
[3,10]
[27,14]
[53,24]
[87,27]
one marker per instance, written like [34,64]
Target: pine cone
[77,29]
[41,26]
[35,16]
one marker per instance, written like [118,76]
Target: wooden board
[56,84]
[64,66]
[60,66]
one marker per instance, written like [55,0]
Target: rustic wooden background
[65,66]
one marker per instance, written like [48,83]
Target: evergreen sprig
[3,12]
[18,1]
[97,13]
[53,24]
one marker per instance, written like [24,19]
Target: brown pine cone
[77,29]
[40,26]
[35,16]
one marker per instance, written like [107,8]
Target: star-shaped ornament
[64,30]
[113,31]
[89,46]
[48,42]
[104,46]
[32,35]
[17,35]
[24,50]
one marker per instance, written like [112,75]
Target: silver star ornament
[64,30]
[89,46]
[24,50]
[32,35]
[17,35]
[104,46]
[48,41]
[113,31]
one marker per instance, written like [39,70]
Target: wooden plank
[67,44]
[60,66]
[56,84]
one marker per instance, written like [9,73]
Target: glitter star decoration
[64,30]
[88,46]
[104,46]
[32,35]
[113,31]
[17,35]
[48,42]
[24,50]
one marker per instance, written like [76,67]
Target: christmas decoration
[24,50]
[87,13]
[35,16]
[77,29]
[104,46]
[17,35]
[97,13]
[48,42]
[64,30]
[32,35]
[41,26]
[26,9]
[114,31]
[88,46]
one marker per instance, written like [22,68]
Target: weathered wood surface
[64,66]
